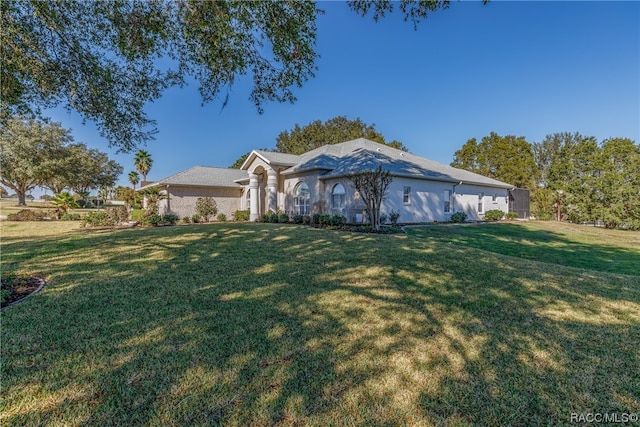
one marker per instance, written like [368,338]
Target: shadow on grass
[276,325]
[538,245]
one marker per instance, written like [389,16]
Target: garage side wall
[182,200]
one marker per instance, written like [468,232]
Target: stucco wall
[467,200]
[316,191]
[183,200]
[426,200]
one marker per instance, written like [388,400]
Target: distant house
[317,182]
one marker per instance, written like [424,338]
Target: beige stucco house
[317,182]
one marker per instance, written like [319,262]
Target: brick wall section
[183,199]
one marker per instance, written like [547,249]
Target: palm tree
[134,178]
[63,202]
[143,163]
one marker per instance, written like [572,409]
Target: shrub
[383,218]
[27,215]
[333,220]
[324,220]
[458,217]
[153,220]
[137,214]
[186,220]
[283,218]
[298,219]
[394,216]
[96,219]
[221,217]
[315,219]
[337,220]
[206,207]
[170,219]
[70,217]
[271,217]
[511,215]
[493,215]
[306,220]
[241,215]
[196,218]
[117,215]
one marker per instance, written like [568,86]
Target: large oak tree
[107,59]
[30,154]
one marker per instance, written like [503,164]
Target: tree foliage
[372,187]
[412,10]
[100,58]
[206,207]
[29,151]
[39,154]
[63,202]
[238,163]
[91,169]
[505,158]
[134,178]
[107,59]
[143,163]
[336,130]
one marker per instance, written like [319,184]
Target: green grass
[265,324]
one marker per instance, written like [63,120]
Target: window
[480,202]
[338,197]
[447,201]
[494,198]
[301,199]
[406,195]
[248,200]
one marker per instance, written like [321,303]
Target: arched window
[338,197]
[301,199]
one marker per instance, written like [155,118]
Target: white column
[272,190]
[253,195]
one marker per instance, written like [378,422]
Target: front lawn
[267,324]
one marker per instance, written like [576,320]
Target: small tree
[63,202]
[153,196]
[134,178]
[206,207]
[372,186]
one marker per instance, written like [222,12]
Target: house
[317,182]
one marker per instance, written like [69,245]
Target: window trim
[406,195]
[343,199]
[448,195]
[305,207]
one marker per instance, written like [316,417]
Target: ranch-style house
[318,182]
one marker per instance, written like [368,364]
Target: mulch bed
[18,287]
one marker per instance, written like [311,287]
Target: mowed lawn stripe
[264,324]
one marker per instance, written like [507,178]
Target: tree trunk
[22,200]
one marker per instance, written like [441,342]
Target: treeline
[571,177]
[37,154]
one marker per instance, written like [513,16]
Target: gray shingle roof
[280,158]
[362,154]
[204,176]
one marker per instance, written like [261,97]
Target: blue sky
[516,68]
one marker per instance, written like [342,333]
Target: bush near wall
[458,217]
[241,215]
[493,215]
